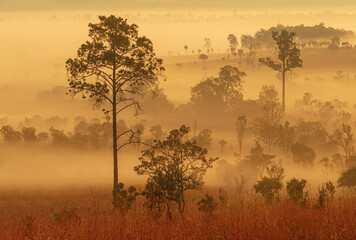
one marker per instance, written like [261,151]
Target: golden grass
[84,214]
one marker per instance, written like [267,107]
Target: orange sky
[250,5]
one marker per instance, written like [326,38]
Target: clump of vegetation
[174,166]
[266,126]
[222,196]
[125,198]
[296,190]
[302,154]
[207,204]
[28,227]
[326,193]
[155,200]
[67,215]
[348,179]
[313,34]
[270,185]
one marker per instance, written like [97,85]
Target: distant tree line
[308,36]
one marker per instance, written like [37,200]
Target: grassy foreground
[87,214]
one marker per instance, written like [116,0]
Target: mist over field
[217,113]
[37,44]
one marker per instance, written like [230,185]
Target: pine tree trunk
[284,86]
[284,92]
[114,131]
[114,139]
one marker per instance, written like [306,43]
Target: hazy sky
[239,5]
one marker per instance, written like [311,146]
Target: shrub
[222,196]
[155,201]
[125,197]
[207,204]
[326,193]
[67,216]
[295,190]
[270,185]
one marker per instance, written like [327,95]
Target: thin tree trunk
[284,93]
[284,87]
[114,130]
[269,146]
[114,139]
[240,145]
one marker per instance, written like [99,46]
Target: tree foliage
[262,38]
[348,178]
[270,185]
[343,138]
[302,154]
[296,190]
[10,135]
[326,193]
[174,166]
[203,139]
[232,43]
[254,162]
[288,56]
[219,91]
[266,127]
[207,204]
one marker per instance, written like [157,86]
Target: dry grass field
[84,214]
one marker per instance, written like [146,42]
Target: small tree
[272,183]
[125,197]
[186,49]
[203,57]
[207,44]
[157,132]
[207,204]
[219,91]
[302,154]
[174,166]
[288,55]
[344,139]
[267,126]
[203,139]
[295,190]
[348,179]
[222,143]
[240,125]
[29,135]
[59,138]
[11,135]
[334,43]
[255,161]
[232,43]
[286,137]
[326,193]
